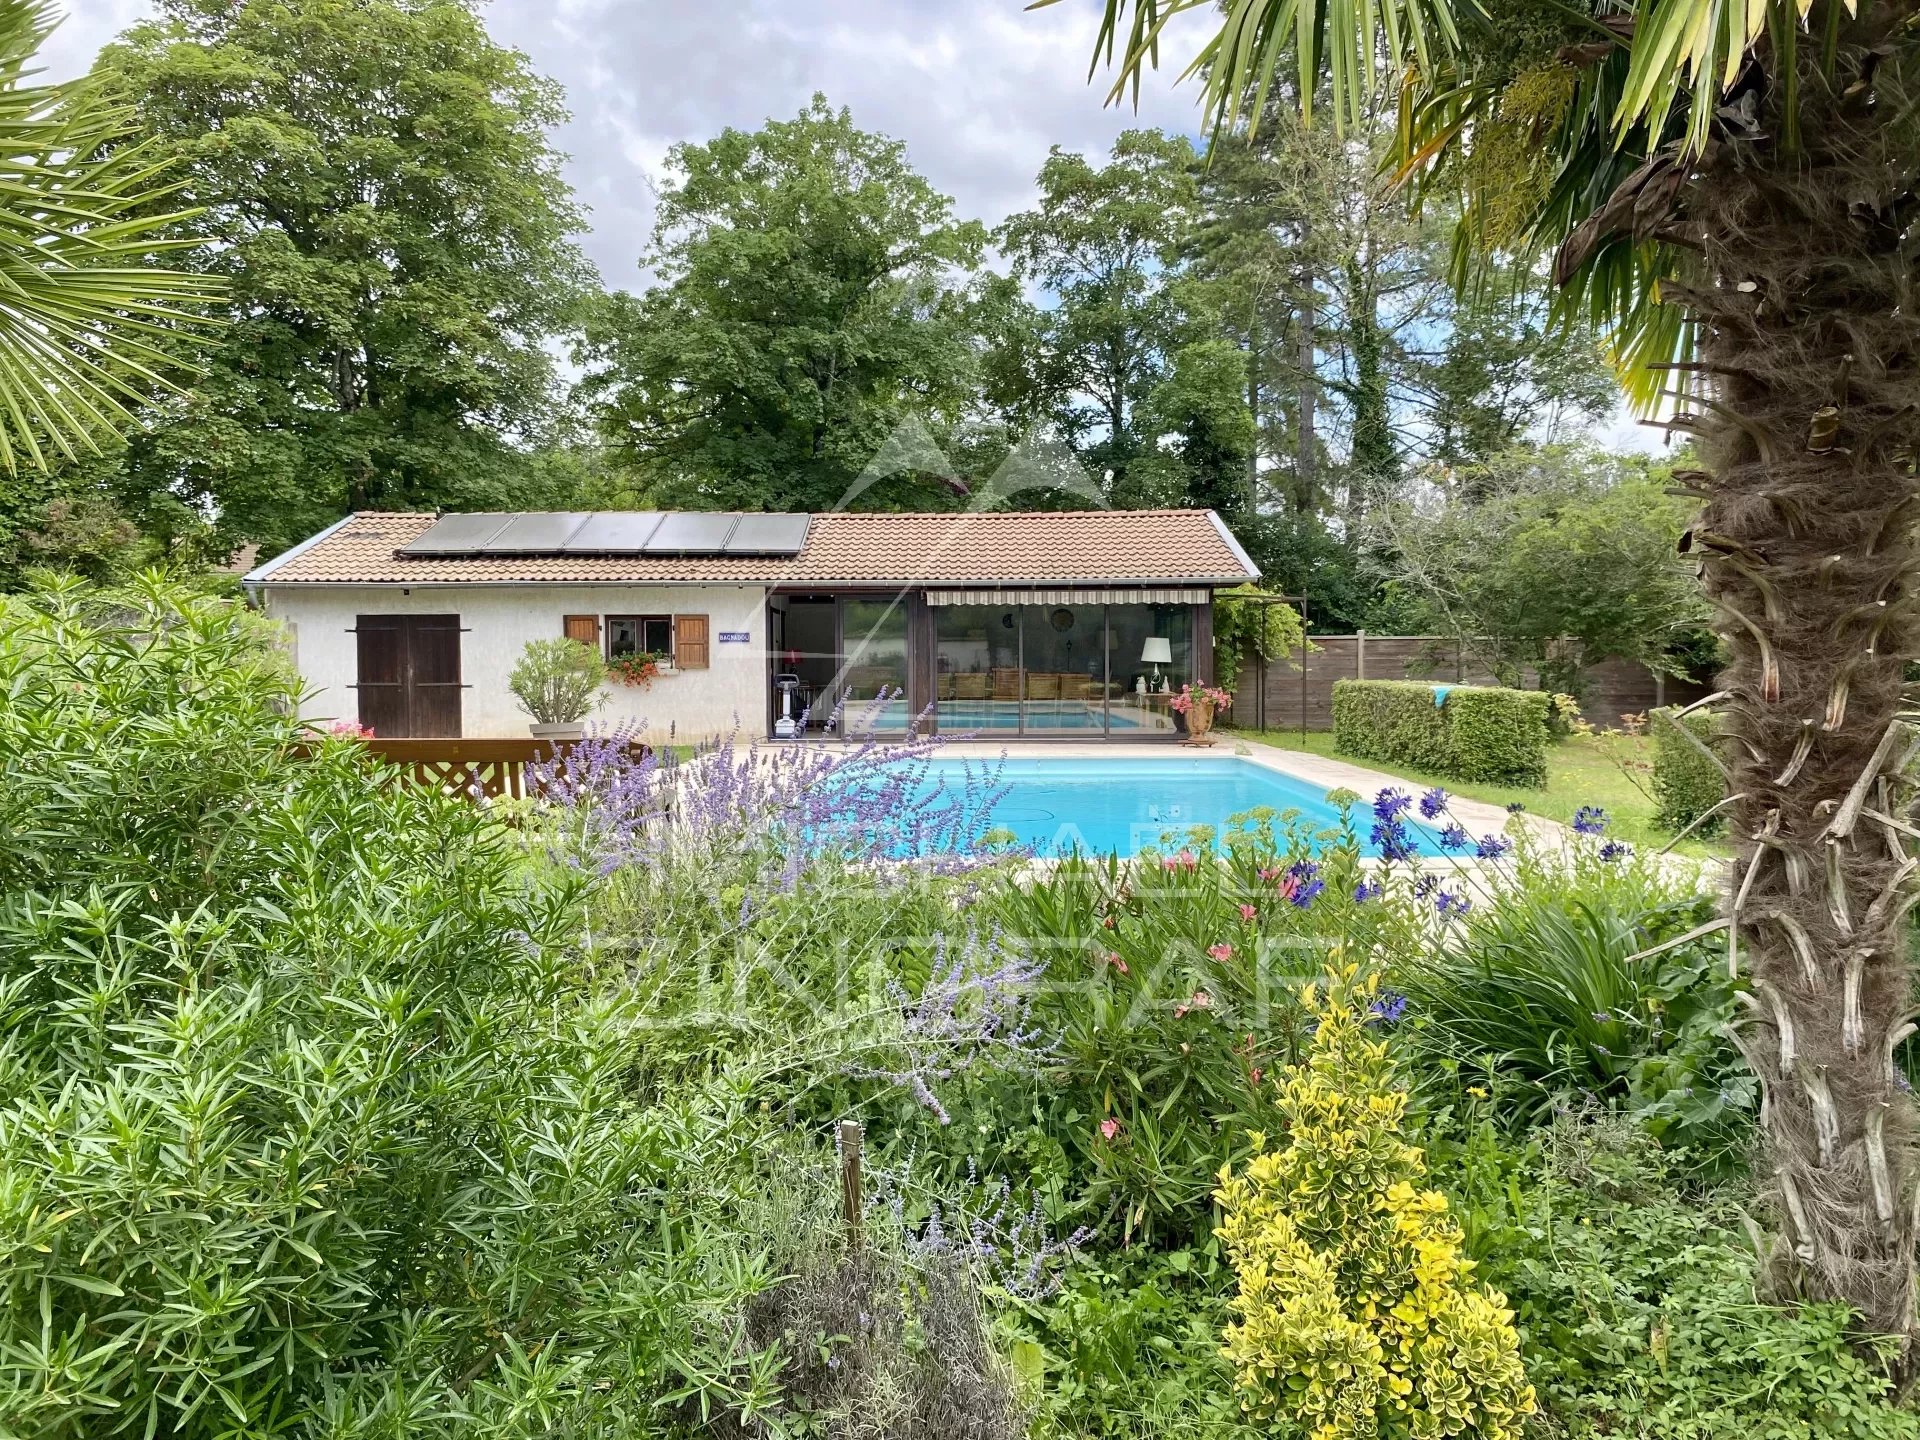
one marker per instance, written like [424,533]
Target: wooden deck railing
[496,767]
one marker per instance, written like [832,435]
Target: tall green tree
[810,303]
[1548,561]
[392,229]
[1731,186]
[1105,242]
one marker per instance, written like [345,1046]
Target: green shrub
[1358,1313]
[1129,1348]
[1478,733]
[312,1120]
[558,681]
[1686,783]
[1635,1289]
[1171,993]
[1539,984]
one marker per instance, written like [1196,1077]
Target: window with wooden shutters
[584,628]
[690,642]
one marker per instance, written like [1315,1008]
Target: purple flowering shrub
[766,813]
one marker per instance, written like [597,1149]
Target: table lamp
[1156,652]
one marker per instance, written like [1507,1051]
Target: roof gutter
[251,581]
[821,583]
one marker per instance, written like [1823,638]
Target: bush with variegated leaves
[1358,1314]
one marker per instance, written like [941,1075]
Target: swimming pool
[1119,805]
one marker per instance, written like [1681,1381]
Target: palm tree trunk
[1809,337]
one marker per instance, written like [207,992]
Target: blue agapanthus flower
[1392,840]
[1455,837]
[1390,804]
[1387,1009]
[1307,884]
[1368,890]
[1425,886]
[1447,903]
[1515,807]
[1433,803]
[1590,820]
[1492,847]
[1615,850]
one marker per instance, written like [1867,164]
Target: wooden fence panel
[1274,695]
[497,768]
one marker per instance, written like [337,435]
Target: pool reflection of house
[1014,623]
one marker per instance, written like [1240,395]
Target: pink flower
[1109,1128]
[1199,1000]
[1108,922]
[1222,953]
[1185,860]
[1254,1074]
[1247,912]
[1113,959]
[1269,874]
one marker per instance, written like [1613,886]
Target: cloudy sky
[978,89]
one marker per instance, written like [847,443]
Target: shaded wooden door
[409,675]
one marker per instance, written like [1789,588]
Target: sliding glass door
[1060,670]
[1150,656]
[976,668]
[1065,664]
[873,640]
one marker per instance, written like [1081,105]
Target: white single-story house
[1079,624]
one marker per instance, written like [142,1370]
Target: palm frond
[90,327]
[1339,42]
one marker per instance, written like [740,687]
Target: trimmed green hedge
[1480,733]
[1685,783]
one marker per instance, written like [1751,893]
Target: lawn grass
[1582,770]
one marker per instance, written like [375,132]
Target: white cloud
[978,91]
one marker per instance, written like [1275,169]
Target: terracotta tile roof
[1005,547]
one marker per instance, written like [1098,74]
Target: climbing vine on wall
[1249,620]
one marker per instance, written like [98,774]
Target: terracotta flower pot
[1199,717]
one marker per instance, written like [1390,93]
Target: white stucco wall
[500,619]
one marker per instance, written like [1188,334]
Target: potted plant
[637,668]
[1199,703]
[557,682]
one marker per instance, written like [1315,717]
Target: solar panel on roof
[613,532]
[457,534]
[692,533]
[539,532]
[768,535]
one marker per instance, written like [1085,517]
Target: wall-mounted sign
[736,637]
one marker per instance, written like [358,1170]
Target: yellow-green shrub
[1358,1312]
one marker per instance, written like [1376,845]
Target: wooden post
[850,1180]
[1360,655]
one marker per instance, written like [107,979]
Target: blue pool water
[1120,805]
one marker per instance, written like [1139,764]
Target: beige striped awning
[1134,595]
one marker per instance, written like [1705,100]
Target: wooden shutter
[381,683]
[409,675]
[584,628]
[690,642]
[433,656]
